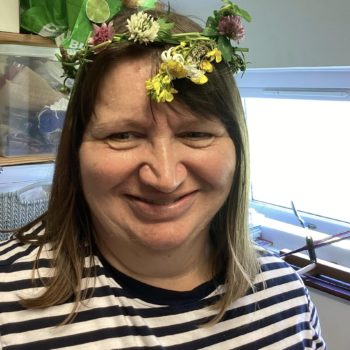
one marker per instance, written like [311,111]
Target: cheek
[102,169]
[221,168]
[96,171]
[224,173]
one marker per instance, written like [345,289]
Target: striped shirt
[123,313]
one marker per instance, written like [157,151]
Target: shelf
[25,39]
[28,40]
[22,160]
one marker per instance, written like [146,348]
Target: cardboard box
[9,16]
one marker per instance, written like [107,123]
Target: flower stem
[193,35]
[241,49]
[102,45]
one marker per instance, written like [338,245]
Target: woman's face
[152,177]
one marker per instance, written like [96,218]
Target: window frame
[278,224]
[331,83]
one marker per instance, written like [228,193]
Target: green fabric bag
[47,18]
[82,27]
[53,18]
[67,20]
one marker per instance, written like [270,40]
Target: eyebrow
[146,122]
[97,125]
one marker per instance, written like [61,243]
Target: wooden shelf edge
[25,39]
[23,160]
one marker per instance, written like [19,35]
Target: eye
[124,140]
[122,136]
[197,135]
[197,139]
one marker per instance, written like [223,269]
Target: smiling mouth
[160,201]
[161,208]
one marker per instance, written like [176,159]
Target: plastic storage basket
[24,194]
[17,211]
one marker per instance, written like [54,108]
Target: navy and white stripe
[126,314]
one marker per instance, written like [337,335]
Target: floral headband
[191,56]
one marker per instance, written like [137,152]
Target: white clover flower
[177,66]
[168,55]
[142,28]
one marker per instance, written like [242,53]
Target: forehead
[122,94]
[125,81]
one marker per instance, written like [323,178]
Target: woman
[145,243]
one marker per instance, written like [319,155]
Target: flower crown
[191,55]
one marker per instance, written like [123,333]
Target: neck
[180,269]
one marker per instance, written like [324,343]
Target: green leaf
[165,28]
[212,22]
[225,47]
[244,14]
[165,25]
[233,9]
[208,31]
[147,4]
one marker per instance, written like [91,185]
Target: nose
[163,169]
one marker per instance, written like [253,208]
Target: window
[300,151]
[299,126]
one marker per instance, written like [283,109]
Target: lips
[161,208]
[159,201]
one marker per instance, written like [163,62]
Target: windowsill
[325,276]
[284,235]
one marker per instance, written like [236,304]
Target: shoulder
[272,266]
[278,312]
[281,293]
[282,297]
[17,260]
[12,251]
[278,280]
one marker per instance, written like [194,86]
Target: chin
[163,241]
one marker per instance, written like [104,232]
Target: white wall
[298,33]
[288,33]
